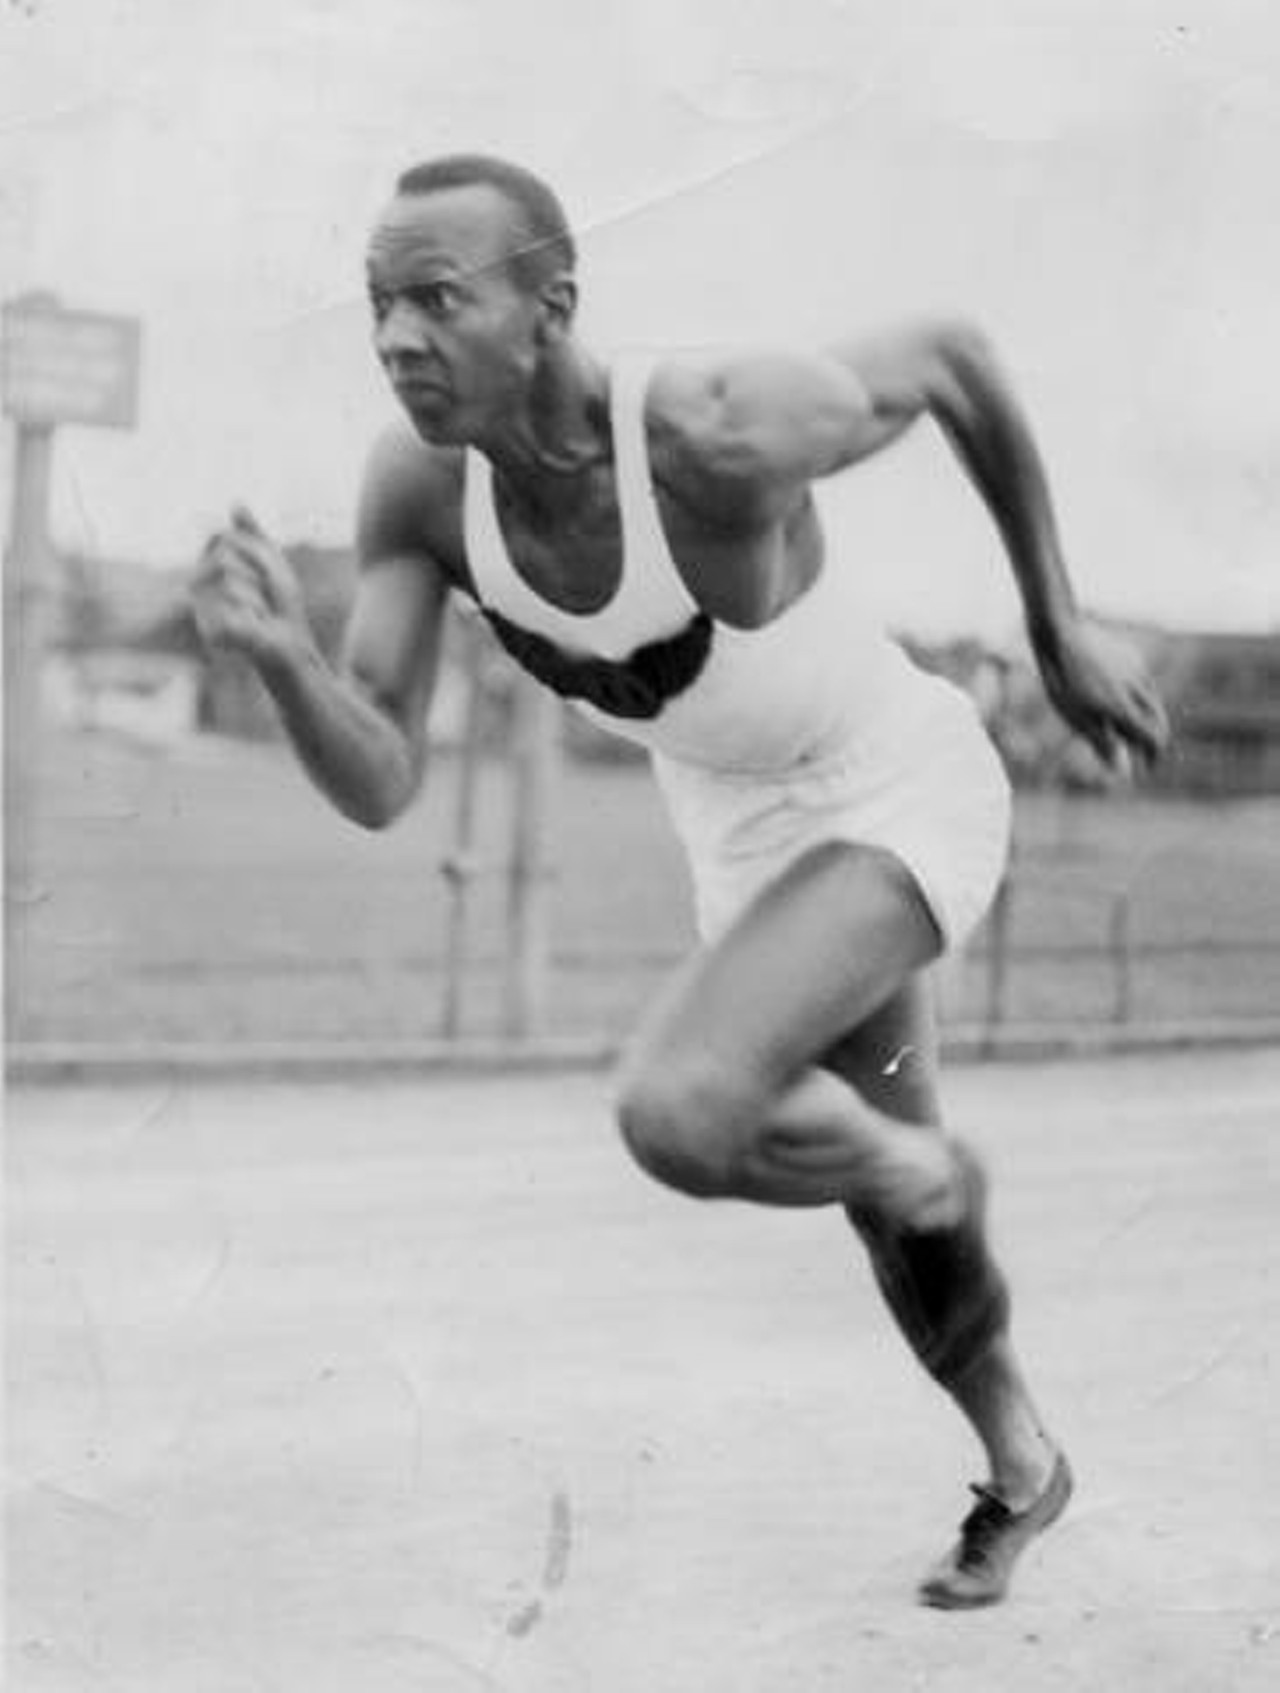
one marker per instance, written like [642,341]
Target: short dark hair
[544,243]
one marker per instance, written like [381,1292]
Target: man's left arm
[950,373]
[759,428]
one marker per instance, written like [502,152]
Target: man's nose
[402,331]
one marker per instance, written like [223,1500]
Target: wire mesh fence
[207,895]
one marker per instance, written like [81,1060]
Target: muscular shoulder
[411,500]
[750,429]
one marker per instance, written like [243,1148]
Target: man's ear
[559,300]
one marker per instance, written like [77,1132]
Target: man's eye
[379,305]
[434,297]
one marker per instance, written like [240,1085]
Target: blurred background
[1093,182]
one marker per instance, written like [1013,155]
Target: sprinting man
[642,537]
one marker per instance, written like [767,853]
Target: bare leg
[730,1092]
[994,1396]
[944,1288]
[722,1094]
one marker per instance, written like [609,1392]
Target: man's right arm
[359,731]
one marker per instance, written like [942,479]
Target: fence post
[1001,924]
[535,752]
[1121,938]
[28,594]
[460,866]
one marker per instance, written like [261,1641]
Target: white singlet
[814,727]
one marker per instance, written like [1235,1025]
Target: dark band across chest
[636,687]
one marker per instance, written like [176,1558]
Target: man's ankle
[1019,1482]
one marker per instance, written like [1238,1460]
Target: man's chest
[574,556]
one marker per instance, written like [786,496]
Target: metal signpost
[56,367]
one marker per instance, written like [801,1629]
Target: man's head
[471,281]
[542,245]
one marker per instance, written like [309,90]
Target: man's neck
[544,449]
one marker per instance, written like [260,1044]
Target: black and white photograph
[641,846]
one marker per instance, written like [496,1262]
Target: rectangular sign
[69,367]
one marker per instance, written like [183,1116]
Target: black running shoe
[977,1569]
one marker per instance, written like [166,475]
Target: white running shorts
[928,787]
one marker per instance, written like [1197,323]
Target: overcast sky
[1094,180]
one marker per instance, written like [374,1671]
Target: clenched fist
[246,597]
[1100,687]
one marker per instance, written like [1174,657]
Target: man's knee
[684,1122]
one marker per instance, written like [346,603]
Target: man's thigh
[891,1058]
[832,942]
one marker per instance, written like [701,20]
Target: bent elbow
[373,817]
[962,372]
[964,348]
[380,804]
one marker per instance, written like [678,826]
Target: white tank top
[815,680]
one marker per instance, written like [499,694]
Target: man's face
[455,333]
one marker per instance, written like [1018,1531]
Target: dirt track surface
[424,1387]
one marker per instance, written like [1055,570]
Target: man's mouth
[421,393]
